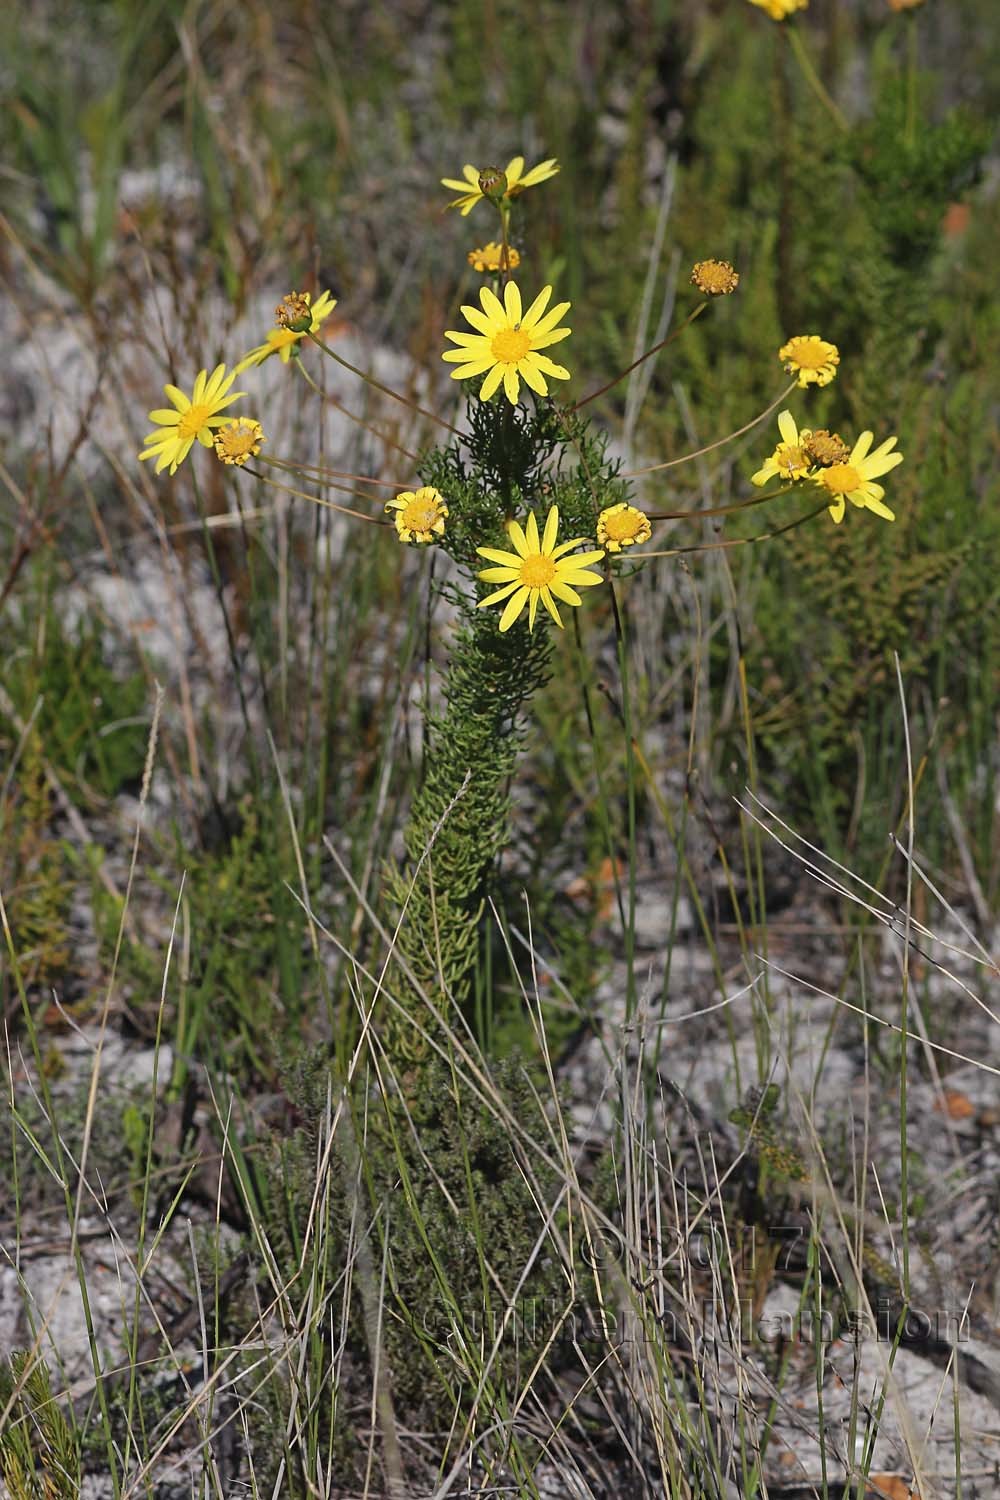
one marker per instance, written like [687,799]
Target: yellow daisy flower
[537,570]
[507,341]
[517,180]
[238,440]
[792,458]
[490,258]
[854,480]
[811,358]
[622,526]
[282,341]
[420,514]
[779,9]
[190,417]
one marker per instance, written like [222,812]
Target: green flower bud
[492,183]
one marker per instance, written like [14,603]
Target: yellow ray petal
[512,302]
[551,529]
[491,382]
[508,559]
[514,607]
[550,605]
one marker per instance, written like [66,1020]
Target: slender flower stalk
[728,543]
[609,385]
[813,79]
[686,458]
[379,386]
[288,489]
[351,416]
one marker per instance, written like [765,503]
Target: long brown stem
[350,415]
[812,77]
[345,510]
[739,541]
[322,472]
[642,359]
[685,458]
[716,510]
[386,390]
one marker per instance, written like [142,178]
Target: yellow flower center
[510,345]
[808,356]
[537,572]
[842,479]
[624,526]
[194,420]
[240,440]
[716,278]
[790,460]
[420,514]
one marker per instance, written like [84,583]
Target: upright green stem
[234,657]
[812,77]
[785,288]
[623,675]
[910,129]
[504,209]
[904,1019]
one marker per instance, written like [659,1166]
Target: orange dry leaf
[956,219]
[957,1106]
[597,891]
[890,1487]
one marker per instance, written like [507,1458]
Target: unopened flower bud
[492,183]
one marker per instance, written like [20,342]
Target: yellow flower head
[622,526]
[517,180]
[854,480]
[506,343]
[537,570]
[189,418]
[811,358]
[779,9]
[715,278]
[238,440]
[284,340]
[420,514]
[792,459]
[490,258]
[904,4]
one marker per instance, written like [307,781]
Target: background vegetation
[249,682]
